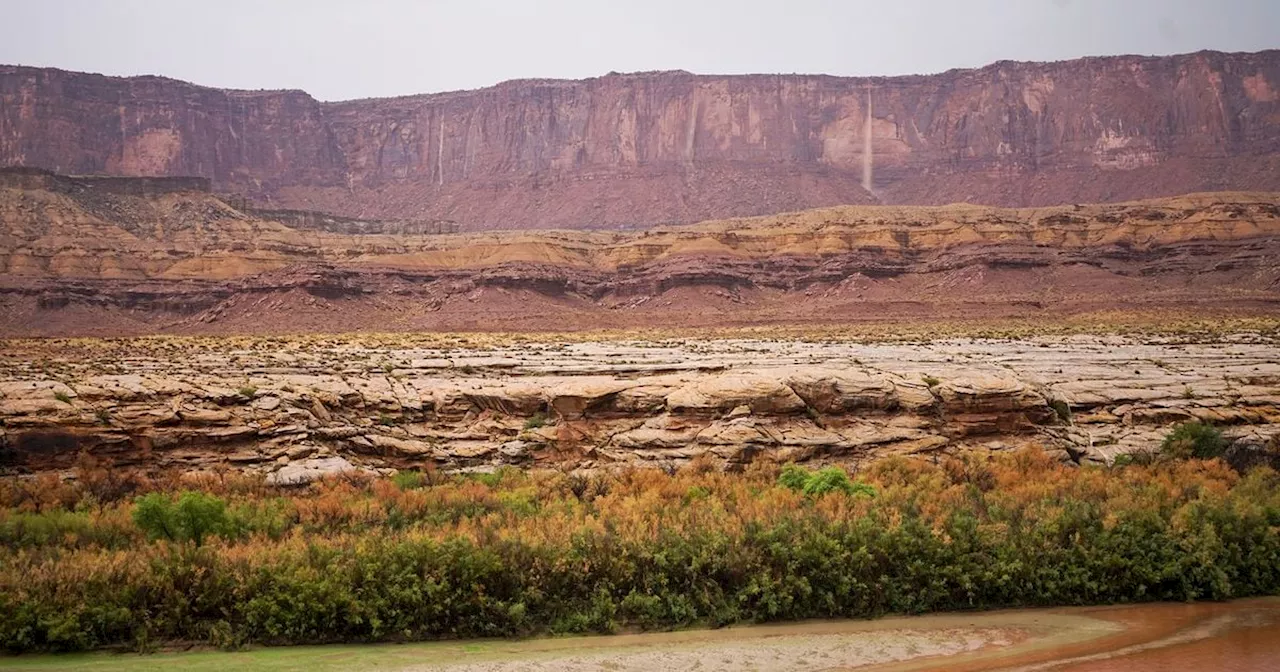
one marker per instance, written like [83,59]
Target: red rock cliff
[662,147]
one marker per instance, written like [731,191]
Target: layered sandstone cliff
[298,408]
[670,147]
[117,256]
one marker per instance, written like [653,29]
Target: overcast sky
[362,48]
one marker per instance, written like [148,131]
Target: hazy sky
[361,48]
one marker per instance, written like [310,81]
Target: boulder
[763,394]
[663,432]
[982,403]
[574,398]
[738,431]
[515,398]
[405,447]
[840,391]
[299,472]
[643,399]
[914,396]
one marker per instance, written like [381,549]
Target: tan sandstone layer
[299,408]
[104,257]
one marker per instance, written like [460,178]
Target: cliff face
[651,148]
[296,408]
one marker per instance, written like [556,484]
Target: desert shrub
[793,477]
[194,516]
[408,479]
[521,554]
[970,469]
[43,493]
[697,492]
[536,420]
[1194,440]
[104,484]
[821,482]
[834,479]
[272,518]
[587,487]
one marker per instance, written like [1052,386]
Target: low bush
[821,482]
[1197,440]
[408,480]
[514,553]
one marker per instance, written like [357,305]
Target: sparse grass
[62,396]
[930,380]
[1185,327]
[248,391]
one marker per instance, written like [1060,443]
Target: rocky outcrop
[299,410]
[98,257]
[673,147]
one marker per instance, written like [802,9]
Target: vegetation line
[122,560]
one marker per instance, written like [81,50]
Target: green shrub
[793,477]
[835,479]
[62,527]
[535,421]
[821,482]
[272,518]
[193,517]
[1194,439]
[696,492]
[408,479]
[496,477]
[62,396]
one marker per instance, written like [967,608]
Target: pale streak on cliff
[867,157]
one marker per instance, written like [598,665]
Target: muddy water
[1232,637]
[1208,637]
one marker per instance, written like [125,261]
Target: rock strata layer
[673,147]
[298,410]
[114,256]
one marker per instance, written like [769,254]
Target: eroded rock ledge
[300,409]
[106,261]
